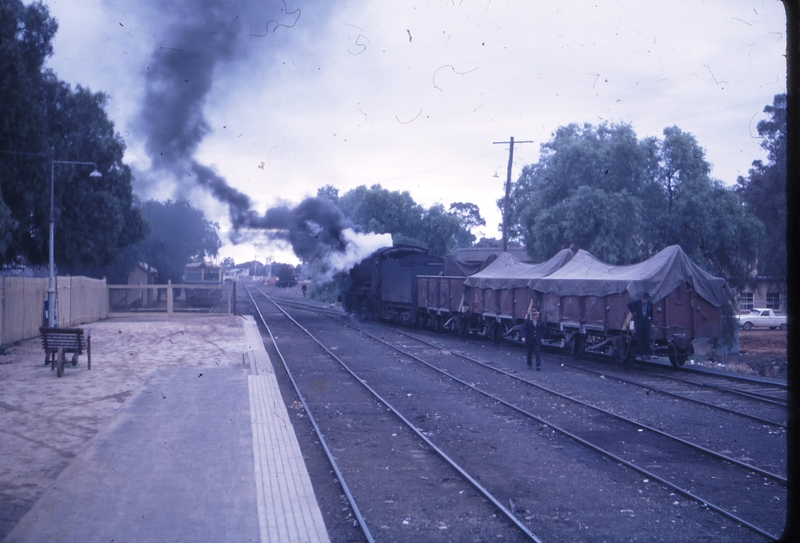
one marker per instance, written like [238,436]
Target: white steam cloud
[358,246]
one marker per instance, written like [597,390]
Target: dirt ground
[45,421]
[761,352]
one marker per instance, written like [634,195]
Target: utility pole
[508,186]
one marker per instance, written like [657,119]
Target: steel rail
[486,494]
[740,378]
[592,446]
[662,391]
[680,490]
[751,395]
[600,450]
[680,396]
[777,478]
[350,498]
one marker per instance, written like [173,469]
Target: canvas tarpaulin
[508,272]
[584,275]
[464,268]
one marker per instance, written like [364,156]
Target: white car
[762,317]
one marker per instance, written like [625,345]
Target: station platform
[177,433]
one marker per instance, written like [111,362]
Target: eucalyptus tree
[764,189]
[623,199]
[179,234]
[379,210]
[44,119]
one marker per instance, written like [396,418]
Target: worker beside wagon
[532,334]
[642,311]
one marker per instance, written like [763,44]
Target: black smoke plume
[314,227]
[318,230]
[202,40]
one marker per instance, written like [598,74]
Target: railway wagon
[440,298]
[440,303]
[497,298]
[584,305]
[384,285]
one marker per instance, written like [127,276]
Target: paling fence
[78,300]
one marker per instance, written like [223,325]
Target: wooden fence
[78,300]
[171,300]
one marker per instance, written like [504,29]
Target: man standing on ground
[532,334]
[642,311]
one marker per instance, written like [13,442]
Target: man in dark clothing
[642,311]
[532,334]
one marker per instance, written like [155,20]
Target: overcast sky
[282,98]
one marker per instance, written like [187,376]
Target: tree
[469,216]
[96,219]
[330,192]
[179,234]
[764,189]
[440,230]
[45,119]
[381,211]
[490,243]
[26,33]
[588,191]
[623,199]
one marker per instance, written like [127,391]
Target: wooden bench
[57,342]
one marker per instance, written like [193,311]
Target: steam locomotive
[582,301]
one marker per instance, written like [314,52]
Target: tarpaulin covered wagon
[498,298]
[584,305]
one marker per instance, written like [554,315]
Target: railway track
[761,400]
[658,455]
[409,448]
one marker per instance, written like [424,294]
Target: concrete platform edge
[287,505]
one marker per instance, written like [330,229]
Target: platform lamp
[51,287]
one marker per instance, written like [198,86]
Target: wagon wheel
[578,346]
[419,321]
[677,358]
[437,323]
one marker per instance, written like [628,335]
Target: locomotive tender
[582,301]
[384,285]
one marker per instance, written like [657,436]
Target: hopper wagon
[584,305]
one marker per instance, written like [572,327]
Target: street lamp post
[51,287]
